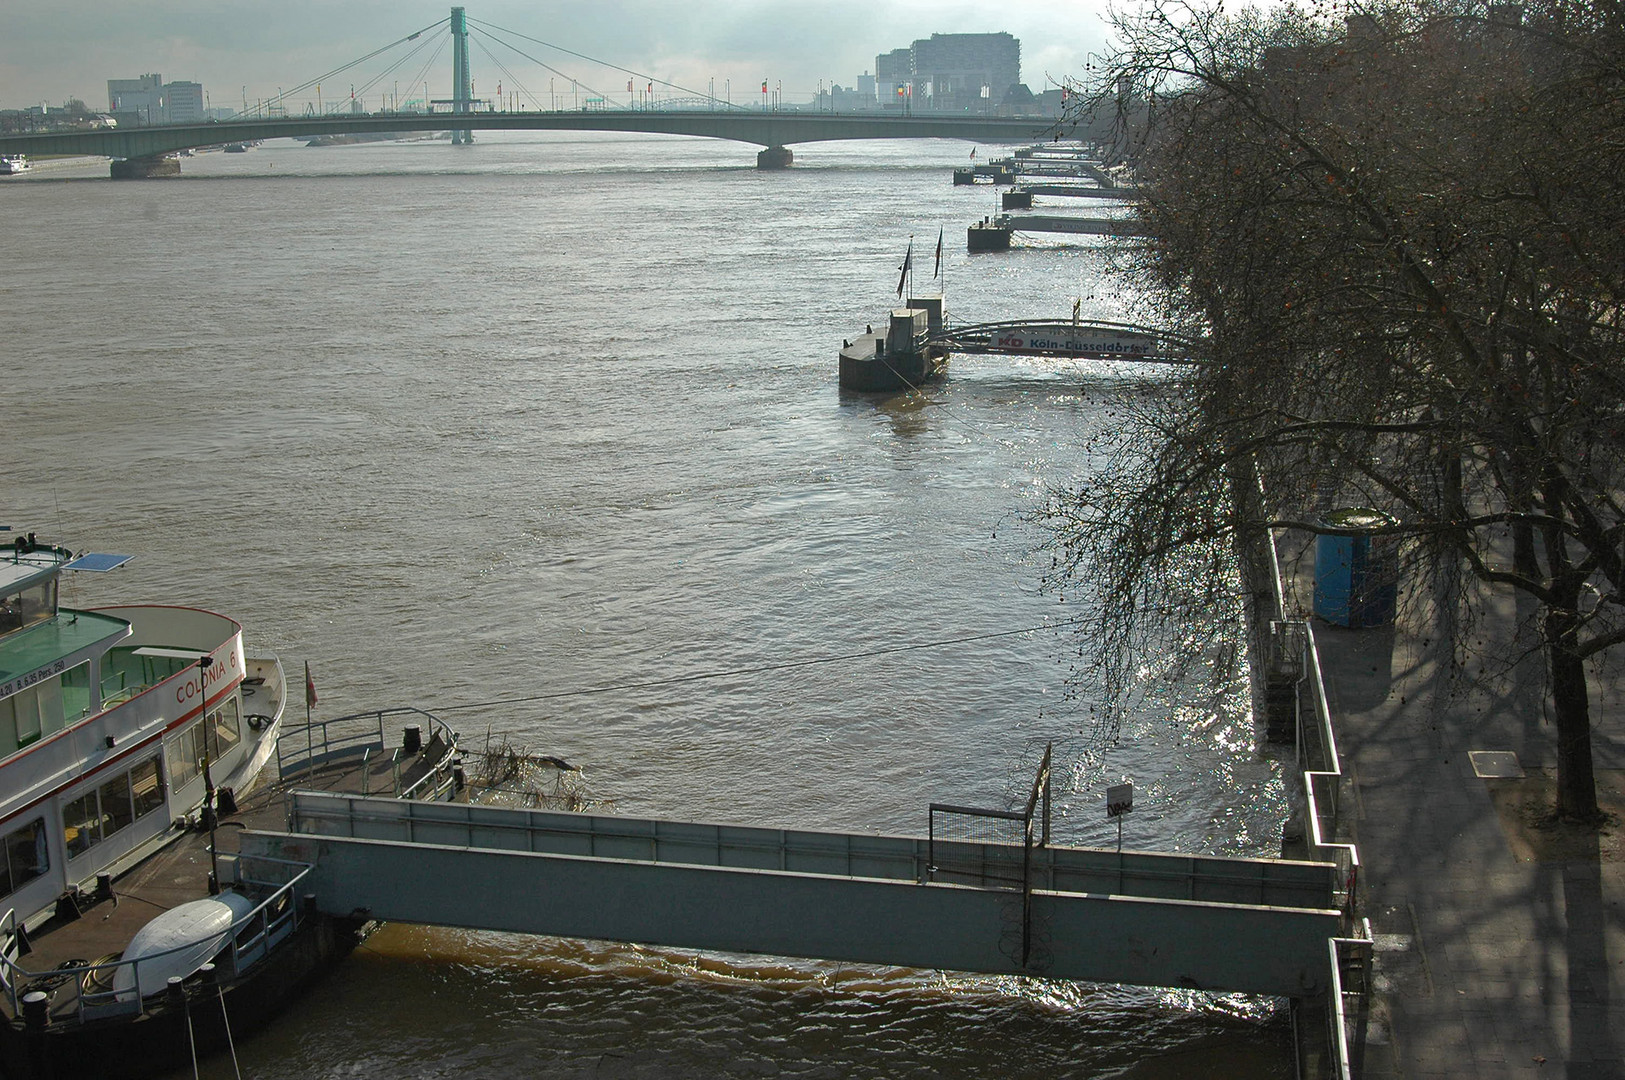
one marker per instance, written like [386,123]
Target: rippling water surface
[558,413]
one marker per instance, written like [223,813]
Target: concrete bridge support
[774,157]
[145,168]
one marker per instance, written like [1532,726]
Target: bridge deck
[742,125]
[1253,925]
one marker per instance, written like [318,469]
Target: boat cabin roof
[21,570]
[69,635]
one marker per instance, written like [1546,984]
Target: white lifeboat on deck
[177,943]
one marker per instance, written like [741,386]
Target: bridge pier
[774,157]
[145,168]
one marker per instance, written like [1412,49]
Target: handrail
[439,771]
[1336,1012]
[1323,813]
[343,736]
[14,975]
[1186,350]
[9,950]
[892,858]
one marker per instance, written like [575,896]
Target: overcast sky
[51,50]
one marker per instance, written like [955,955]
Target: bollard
[36,1010]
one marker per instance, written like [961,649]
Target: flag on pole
[908,264]
[310,688]
[973,153]
[938,269]
[764,86]
[629,86]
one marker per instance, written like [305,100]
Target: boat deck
[177,874]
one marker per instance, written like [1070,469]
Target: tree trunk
[1576,782]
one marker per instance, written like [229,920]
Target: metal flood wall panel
[1260,950]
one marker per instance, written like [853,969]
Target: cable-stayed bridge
[141,151]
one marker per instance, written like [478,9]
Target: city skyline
[71,49]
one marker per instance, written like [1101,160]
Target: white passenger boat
[121,730]
[11,166]
[115,723]
[127,736]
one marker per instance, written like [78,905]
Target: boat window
[25,858]
[186,755]
[26,607]
[145,790]
[76,694]
[225,729]
[50,706]
[117,810]
[26,722]
[8,728]
[81,824]
[30,714]
[124,674]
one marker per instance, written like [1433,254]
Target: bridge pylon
[462,82]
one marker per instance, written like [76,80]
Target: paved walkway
[1500,946]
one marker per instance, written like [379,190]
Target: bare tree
[1402,235]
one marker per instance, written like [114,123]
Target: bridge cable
[345,67]
[424,71]
[511,76]
[375,80]
[605,63]
[759,669]
[543,64]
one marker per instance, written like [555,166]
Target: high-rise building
[150,100]
[139,99]
[951,72]
[893,73]
[183,102]
[965,72]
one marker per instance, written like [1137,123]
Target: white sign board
[1119,799]
[1065,342]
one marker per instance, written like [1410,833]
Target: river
[556,413]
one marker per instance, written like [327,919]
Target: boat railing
[438,784]
[303,751]
[248,941]
[10,949]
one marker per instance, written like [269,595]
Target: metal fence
[249,940]
[1320,766]
[1007,860]
[323,744]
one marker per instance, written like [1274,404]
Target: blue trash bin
[1356,569]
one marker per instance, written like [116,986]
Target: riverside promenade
[1499,936]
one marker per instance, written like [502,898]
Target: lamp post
[209,814]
